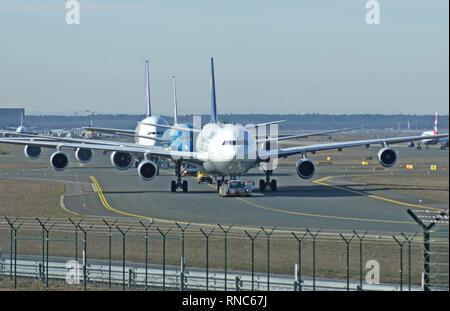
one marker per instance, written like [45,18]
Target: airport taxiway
[326,201]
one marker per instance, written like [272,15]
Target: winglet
[147,90]
[213,94]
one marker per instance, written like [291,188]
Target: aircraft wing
[264,124]
[110,131]
[304,135]
[18,136]
[285,152]
[107,146]
[173,127]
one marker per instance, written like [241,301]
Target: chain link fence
[126,254]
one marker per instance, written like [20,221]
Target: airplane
[21,129]
[222,150]
[144,134]
[430,141]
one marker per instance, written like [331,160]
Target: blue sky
[301,56]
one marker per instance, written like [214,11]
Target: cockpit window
[230,142]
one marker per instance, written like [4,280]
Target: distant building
[11,117]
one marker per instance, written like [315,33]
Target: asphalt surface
[325,202]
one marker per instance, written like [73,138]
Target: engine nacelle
[84,155]
[32,152]
[305,168]
[122,160]
[387,157]
[59,161]
[147,170]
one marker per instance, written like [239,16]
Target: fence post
[313,236]
[11,244]
[268,233]
[207,235]
[110,226]
[43,222]
[164,236]
[225,234]
[409,239]
[183,259]
[14,230]
[75,225]
[360,238]
[47,238]
[426,242]
[347,265]
[85,258]
[401,260]
[253,238]
[299,240]
[146,228]
[124,233]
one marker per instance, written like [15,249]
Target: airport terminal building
[11,117]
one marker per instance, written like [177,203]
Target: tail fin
[147,90]
[175,104]
[213,94]
[436,123]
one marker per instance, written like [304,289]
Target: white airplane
[223,150]
[20,130]
[144,134]
[434,132]
[430,141]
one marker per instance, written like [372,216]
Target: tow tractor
[235,188]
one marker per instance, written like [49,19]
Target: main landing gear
[220,182]
[268,183]
[178,184]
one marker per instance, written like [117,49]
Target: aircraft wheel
[185,186]
[173,186]
[262,185]
[273,185]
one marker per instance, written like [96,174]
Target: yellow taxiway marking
[317,215]
[322,182]
[106,204]
[114,210]
[321,215]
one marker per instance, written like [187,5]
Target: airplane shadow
[389,187]
[157,191]
[310,192]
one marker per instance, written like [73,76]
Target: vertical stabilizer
[175,104]
[213,94]
[147,90]
[436,123]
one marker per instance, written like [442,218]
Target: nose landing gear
[178,184]
[268,183]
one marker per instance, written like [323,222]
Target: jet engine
[83,155]
[147,170]
[59,161]
[121,160]
[32,152]
[305,168]
[387,157]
